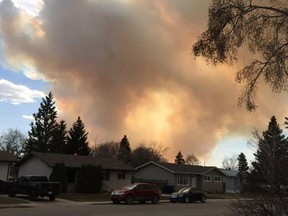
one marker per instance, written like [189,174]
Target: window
[217,179]
[207,178]
[183,180]
[121,175]
[105,176]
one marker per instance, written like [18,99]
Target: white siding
[153,172]
[115,183]
[3,170]
[34,166]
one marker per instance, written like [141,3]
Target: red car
[141,192]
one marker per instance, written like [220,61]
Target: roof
[76,161]
[229,173]
[7,157]
[181,168]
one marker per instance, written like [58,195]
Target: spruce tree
[43,127]
[59,174]
[124,153]
[59,143]
[242,168]
[179,158]
[77,139]
[271,157]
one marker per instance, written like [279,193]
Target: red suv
[141,192]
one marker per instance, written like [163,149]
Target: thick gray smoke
[126,68]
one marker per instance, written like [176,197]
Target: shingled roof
[7,157]
[76,161]
[181,168]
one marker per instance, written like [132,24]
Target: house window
[183,180]
[207,178]
[105,176]
[217,179]
[121,175]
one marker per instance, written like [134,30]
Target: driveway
[67,208]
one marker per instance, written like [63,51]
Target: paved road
[67,208]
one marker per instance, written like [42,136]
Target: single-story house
[6,161]
[231,180]
[115,173]
[177,176]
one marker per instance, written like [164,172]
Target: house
[176,176]
[6,161]
[115,173]
[231,180]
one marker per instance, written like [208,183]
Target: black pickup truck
[35,186]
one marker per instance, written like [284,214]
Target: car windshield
[184,190]
[129,187]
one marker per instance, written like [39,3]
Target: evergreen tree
[43,128]
[179,158]
[124,153]
[77,139]
[89,179]
[271,157]
[242,168]
[59,174]
[59,143]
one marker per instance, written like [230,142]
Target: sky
[126,68]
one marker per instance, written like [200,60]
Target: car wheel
[186,200]
[203,199]
[129,200]
[52,198]
[155,199]
[32,195]
[12,194]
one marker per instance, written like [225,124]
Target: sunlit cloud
[17,94]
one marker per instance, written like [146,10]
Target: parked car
[35,186]
[188,195]
[141,192]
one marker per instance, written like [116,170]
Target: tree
[271,157]
[13,141]
[77,139]
[41,136]
[191,159]
[259,25]
[89,179]
[59,174]
[59,143]
[144,153]
[242,168]
[106,150]
[124,153]
[179,158]
[230,163]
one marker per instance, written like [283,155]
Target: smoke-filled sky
[126,67]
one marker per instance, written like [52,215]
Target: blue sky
[16,112]
[126,67]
